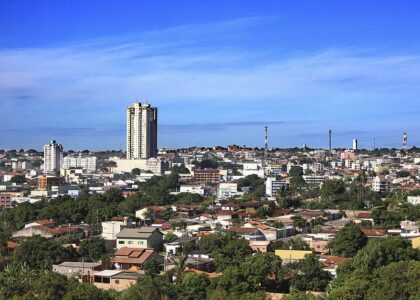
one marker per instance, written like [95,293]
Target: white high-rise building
[141,131]
[53,156]
[355,146]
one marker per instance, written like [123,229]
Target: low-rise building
[110,229]
[118,280]
[76,268]
[5,200]
[127,258]
[291,255]
[207,175]
[143,237]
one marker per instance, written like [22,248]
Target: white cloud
[198,65]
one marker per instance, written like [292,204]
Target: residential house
[118,280]
[291,255]
[134,258]
[259,246]
[76,268]
[49,232]
[200,260]
[110,229]
[143,237]
[248,233]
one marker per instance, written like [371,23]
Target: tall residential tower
[141,131]
[53,157]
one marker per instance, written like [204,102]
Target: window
[140,242]
[97,279]
[106,280]
[130,242]
[117,281]
[121,242]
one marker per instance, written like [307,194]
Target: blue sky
[218,71]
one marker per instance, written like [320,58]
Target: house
[127,258]
[200,260]
[374,233]
[76,268]
[291,255]
[269,232]
[110,229]
[223,215]
[259,246]
[248,233]
[49,232]
[46,223]
[143,237]
[173,247]
[330,263]
[118,280]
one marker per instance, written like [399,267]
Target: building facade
[53,157]
[141,131]
[88,163]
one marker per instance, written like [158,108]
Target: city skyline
[217,74]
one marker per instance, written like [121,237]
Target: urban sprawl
[209,223]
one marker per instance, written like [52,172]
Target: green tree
[147,288]
[296,171]
[380,252]
[48,285]
[152,268]
[18,179]
[180,169]
[307,275]
[261,270]
[84,291]
[208,164]
[396,281]
[348,241]
[170,237]
[298,222]
[194,286]
[231,254]
[331,188]
[39,253]
[94,248]
[136,171]
[15,280]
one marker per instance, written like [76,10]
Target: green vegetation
[348,241]
[384,269]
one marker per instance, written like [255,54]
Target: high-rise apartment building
[141,131]
[53,157]
[355,144]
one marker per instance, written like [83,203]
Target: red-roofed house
[126,258]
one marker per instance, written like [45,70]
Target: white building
[155,165]
[53,156]
[380,184]
[251,168]
[141,131]
[21,165]
[193,189]
[354,144]
[415,200]
[86,163]
[227,189]
[110,229]
[272,186]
